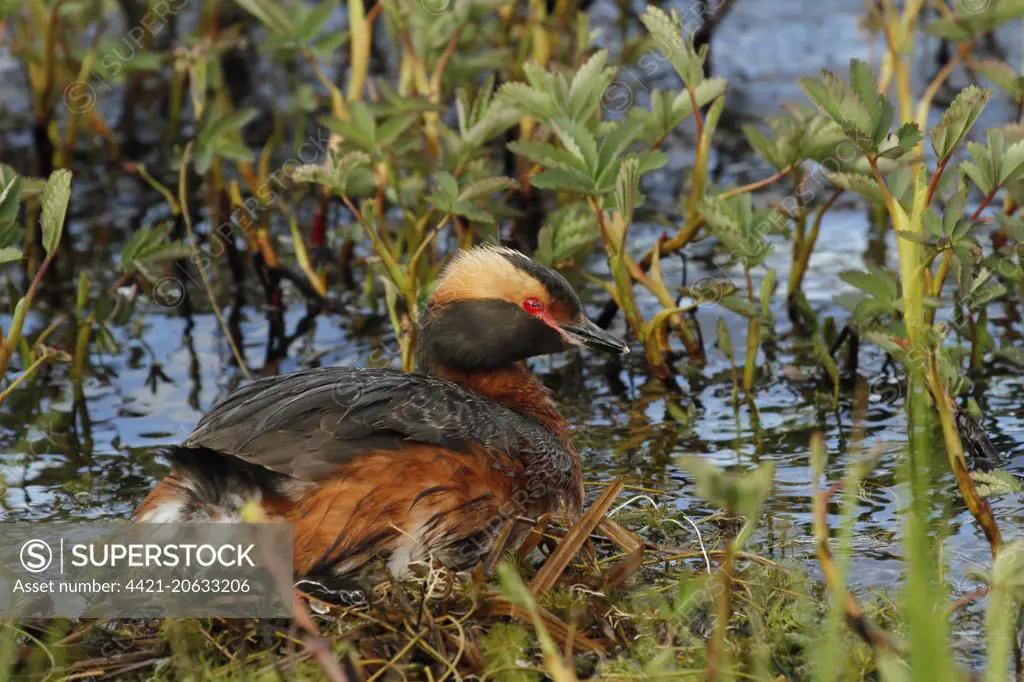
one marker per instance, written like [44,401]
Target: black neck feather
[482,335]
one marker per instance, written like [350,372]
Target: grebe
[370,464]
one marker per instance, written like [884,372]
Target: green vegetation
[460,122]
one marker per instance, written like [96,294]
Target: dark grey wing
[308,423]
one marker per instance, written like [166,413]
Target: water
[170,370]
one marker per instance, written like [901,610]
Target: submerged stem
[753,339]
[183,202]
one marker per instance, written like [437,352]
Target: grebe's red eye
[533,306]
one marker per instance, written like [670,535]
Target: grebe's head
[494,306]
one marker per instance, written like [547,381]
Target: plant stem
[81,348]
[940,276]
[360,39]
[722,611]
[886,197]
[140,168]
[796,277]
[925,105]
[183,202]
[616,261]
[698,171]
[414,259]
[753,339]
[985,203]
[24,375]
[10,343]
[379,245]
[430,118]
[935,180]
[979,507]
[45,334]
[939,280]
[834,578]
[979,337]
[759,184]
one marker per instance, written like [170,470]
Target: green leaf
[147,245]
[524,99]
[491,124]
[55,206]
[932,223]
[227,124]
[142,242]
[570,232]
[464,208]
[315,20]
[915,237]
[978,174]
[958,120]
[215,137]
[996,165]
[974,19]
[627,187]
[865,85]
[1012,164]
[330,42]
[983,289]
[737,494]
[616,142]
[232,149]
[547,156]
[732,221]
[868,309]
[447,187]
[667,112]
[10,196]
[270,14]
[992,483]
[1002,74]
[203,160]
[1011,354]
[865,187]
[513,587]
[579,141]
[336,177]
[983,170]
[676,43]
[362,118]
[391,129]
[895,145]
[804,310]
[570,181]
[348,164]
[877,282]
[587,86]
[105,340]
[829,363]
[351,132]
[724,341]
[651,160]
[953,215]
[763,146]
[10,254]
[741,306]
[837,100]
[539,77]
[486,187]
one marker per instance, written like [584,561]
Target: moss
[506,651]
